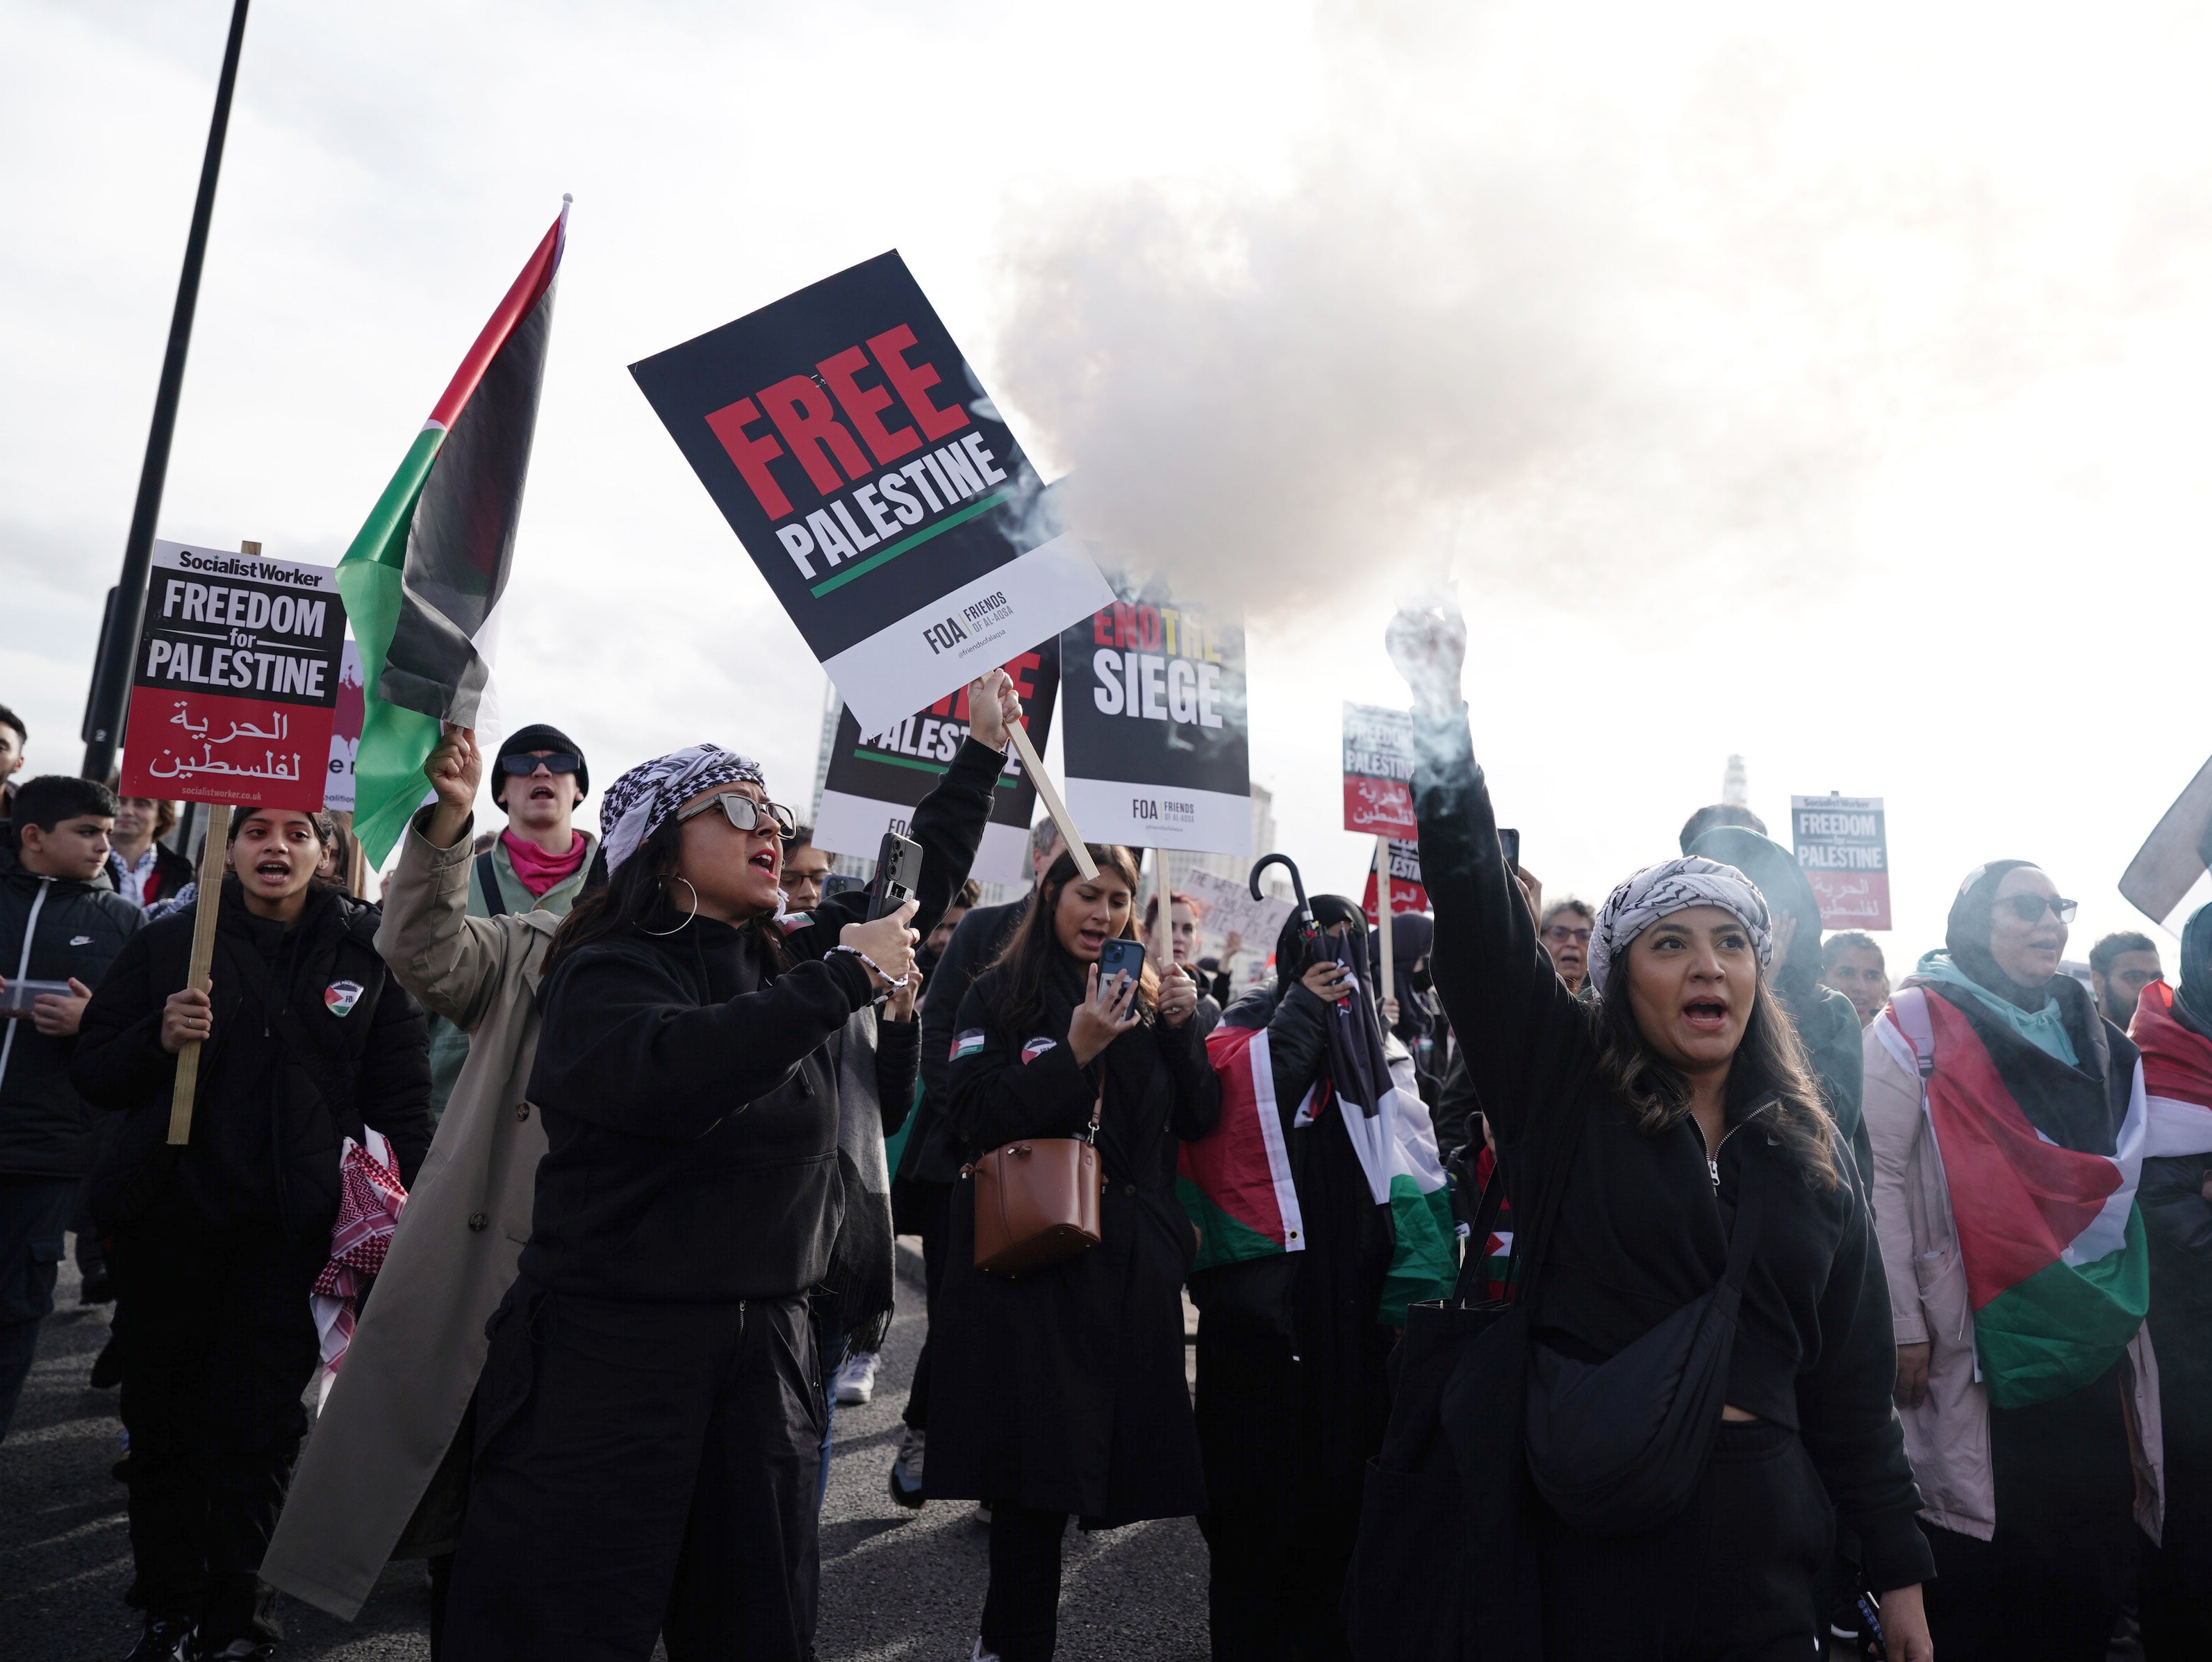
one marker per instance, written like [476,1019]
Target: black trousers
[2006,1601]
[1730,1581]
[642,1469]
[1021,1611]
[927,1206]
[1280,1535]
[222,1346]
[33,1215]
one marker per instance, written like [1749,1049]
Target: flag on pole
[424,577]
[1235,1182]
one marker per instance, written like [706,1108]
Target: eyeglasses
[745,813]
[1561,933]
[520,763]
[2030,908]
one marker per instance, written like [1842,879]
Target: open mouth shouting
[1706,1015]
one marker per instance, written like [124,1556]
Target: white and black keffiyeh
[639,803]
[1675,886]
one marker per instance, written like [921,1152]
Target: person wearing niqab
[1292,1397]
[2030,1484]
[2174,1026]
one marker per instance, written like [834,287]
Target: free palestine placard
[235,681]
[870,477]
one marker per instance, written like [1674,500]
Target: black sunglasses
[745,813]
[520,763]
[2030,908]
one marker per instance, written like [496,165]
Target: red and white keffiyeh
[370,1200]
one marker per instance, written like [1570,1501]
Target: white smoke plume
[1555,295]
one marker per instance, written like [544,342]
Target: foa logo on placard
[943,638]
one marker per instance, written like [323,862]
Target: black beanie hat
[538,736]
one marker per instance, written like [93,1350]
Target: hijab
[1291,958]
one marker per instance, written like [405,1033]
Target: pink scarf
[538,871]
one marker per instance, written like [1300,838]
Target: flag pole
[111,671]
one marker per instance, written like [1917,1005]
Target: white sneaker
[856,1381]
[983,1514]
[979,1654]
[906,1469]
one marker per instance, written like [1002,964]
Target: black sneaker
[98,1288]
[164,1641]
[107,1367]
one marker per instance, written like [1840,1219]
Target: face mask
[1420,976]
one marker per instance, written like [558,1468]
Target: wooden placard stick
[208,903]
[1053,805]
[1163,952]
[1382,913]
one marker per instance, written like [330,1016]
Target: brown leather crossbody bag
[1037,1200]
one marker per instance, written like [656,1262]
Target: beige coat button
[477,1220]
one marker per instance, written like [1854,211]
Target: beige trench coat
[1947,1437]
[414,1361]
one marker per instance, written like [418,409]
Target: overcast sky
[1829,391]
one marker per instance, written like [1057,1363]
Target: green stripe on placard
[1003,782]
[915,541]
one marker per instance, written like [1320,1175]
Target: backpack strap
[1908,1008]
[488,876]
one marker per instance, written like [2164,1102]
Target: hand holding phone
[21,998]
[1121,957]
[898,874]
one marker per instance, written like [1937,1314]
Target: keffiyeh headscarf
[639,802]
[1675,886]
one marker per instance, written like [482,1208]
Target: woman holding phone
[1062,1389]
[649,1419]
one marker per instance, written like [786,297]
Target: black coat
[690,1105]
[267,1124]
[933,1155]
[1064,1389]
[1642,1230]
[46,1130]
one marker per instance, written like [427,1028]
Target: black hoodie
[266,1121]
[51,928]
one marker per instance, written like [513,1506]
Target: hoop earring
[688,916]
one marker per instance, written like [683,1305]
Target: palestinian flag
[1235,1183]
[2177,1062]
[424,577]
[1396,1143]
[2057,1273]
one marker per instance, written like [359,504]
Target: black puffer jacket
[51,928]
[268,1120]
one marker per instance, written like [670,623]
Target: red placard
[1378,771]
[1407,894]
[235,680]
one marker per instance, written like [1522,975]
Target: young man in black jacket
[60,922]
[306,1041]
[931,1163]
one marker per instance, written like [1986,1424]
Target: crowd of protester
[619,1127]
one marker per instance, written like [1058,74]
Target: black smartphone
[839,882]
[898,874]
[18,997]
[1510,841]
[1122,956]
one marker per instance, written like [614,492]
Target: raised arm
[451,962]
[1516,1021]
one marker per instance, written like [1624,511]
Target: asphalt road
[897,1586]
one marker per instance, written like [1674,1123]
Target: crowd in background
[619,1129]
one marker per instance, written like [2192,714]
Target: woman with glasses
[1565,932]
[649,1419]
[2023,1383]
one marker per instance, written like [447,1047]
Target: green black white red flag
[423,579]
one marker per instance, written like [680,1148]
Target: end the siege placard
[1154,726]
[235,680]
[875,782]
[870,477]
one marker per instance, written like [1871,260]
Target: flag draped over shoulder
[2176,1064]
[423,577]
[2057,1270]
[1235,1182]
